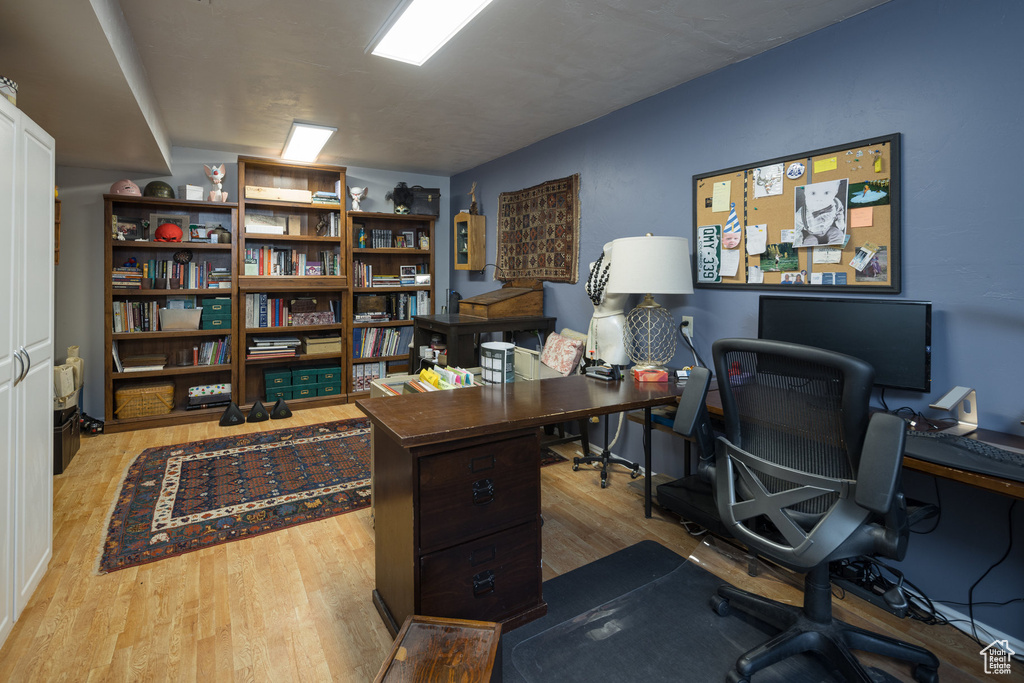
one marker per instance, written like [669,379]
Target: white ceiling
[118,83]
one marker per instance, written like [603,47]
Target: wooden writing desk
[461,329]
[456,480]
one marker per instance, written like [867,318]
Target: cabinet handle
[21,367]
[483,492]
[483,583]
[26,364]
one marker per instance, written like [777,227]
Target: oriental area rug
[176,499]
[539,232]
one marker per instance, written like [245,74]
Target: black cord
[970,592]
[938,505]
[686,338]
[881,397]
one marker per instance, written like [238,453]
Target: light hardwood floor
[295,605]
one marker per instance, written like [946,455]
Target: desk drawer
[490,578]
[469,492]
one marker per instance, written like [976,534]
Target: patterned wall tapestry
[539,232]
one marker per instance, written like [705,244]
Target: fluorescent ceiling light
[305,141]
[418,28]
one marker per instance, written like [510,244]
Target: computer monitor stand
[965,401]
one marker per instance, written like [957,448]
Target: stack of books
[126,277]
[208,396]
[144,362]
[386,281]
[273,347]
[326,198]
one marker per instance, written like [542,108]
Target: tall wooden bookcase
[125,210]
[314,233]
[381,245]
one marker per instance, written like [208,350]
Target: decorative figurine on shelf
[362,237]
[402,198]
[472,200]
[216,176]
[357,194]
[321,226]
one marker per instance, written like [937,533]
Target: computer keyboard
[966,454]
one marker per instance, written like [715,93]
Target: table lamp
[650,265]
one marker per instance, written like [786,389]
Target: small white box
[190,192]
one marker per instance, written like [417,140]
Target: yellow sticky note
[822,165]
[878,164]
[720,196]
[861,217]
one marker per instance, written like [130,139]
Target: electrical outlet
[688,325]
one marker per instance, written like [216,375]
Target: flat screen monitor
[894,336]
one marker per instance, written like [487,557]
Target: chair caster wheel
[604,484]
[926,674]
[575,467]
[634,474]
[736,677]
[719,605]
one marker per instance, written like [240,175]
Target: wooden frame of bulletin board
[825,221]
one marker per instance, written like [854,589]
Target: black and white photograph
[820,213]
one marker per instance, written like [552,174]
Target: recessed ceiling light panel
[418,28]
[305,141]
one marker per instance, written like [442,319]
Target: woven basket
[143,400]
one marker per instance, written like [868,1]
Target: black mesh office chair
[803,478]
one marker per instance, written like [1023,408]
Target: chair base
[606,459]
[830,638]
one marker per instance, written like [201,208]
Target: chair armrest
[880,460]
[692,419]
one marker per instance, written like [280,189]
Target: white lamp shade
[650,265]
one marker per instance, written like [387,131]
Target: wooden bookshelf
[380,242]
[123,208]
[310,230]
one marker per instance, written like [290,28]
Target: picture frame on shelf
[407,275]
[181,220]
[197,233]
[129,229]
[409,239]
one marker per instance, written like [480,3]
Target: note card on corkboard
[826,220]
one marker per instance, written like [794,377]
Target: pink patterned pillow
[561,353]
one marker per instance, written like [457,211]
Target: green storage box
[328,373]
[303,376]
[304,391]
[331,388]
[277,377]
[216,306]
[215,322]
[274,393]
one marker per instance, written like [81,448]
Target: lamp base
[649,334]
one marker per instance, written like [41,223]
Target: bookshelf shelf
[210,257]
[261,237]
[282,283]
[173,370]
[296,358]
[383,323]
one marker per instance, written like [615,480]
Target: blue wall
[946,75]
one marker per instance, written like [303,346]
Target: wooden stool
[432,649]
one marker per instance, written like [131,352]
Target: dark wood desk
[460,331]
[1007,487]
[457,492]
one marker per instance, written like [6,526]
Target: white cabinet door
[9,368]
[33,396]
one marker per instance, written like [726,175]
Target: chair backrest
[795,420]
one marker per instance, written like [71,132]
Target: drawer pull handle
[483,492]
[483,583]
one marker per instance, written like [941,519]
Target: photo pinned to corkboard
[819,220]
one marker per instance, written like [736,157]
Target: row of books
[394,306]
[372,342]
[196,275]
[136,316]
[289,262]
[362,275]
[363,374]
[262,310]
[273,347]
[216,352]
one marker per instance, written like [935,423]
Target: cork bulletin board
[826,220]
